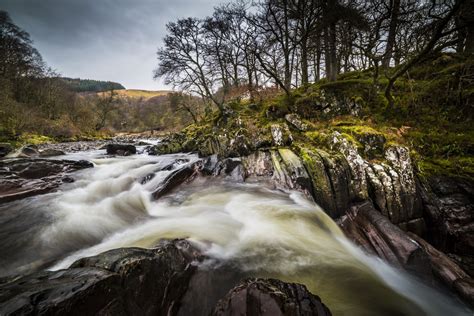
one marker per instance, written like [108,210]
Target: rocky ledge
[20,178]
[135,281]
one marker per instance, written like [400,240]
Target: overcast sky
[112,40]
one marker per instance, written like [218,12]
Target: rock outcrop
[448,204]
[129,281]
[22,178]
[374,233]
[120,149]
[270,297]
[136,281]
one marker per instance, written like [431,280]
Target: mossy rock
[370,140]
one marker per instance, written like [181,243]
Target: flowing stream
[254,229]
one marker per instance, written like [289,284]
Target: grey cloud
[102,39]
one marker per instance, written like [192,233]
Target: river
[250,228]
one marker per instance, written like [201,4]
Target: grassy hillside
[144,94]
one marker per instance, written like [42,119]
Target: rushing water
[256,230]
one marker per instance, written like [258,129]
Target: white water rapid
[261,231]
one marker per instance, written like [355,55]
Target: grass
[135,93]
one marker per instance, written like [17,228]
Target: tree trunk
[304,61]
[332,52]
[394,14]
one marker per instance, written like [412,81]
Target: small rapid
[255,229]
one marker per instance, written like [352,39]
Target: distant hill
[89,85]
[142,94]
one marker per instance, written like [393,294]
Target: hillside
[144,94]
[89,85]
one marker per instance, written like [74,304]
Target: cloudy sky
[112,40]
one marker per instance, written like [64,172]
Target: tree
[104,107]
[183,63]
[441,30]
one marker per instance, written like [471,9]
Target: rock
[295,121]
[121,149]
[357,164]
[127,281]
[281,135]
[331,178]
[448,204]
[289,171]
[390,184]
[5,149]
[27,177]
[270,297]
[50,152]
[374,233]
[258,164]
[27,151]
[448,272]
[174,179]
[142,143]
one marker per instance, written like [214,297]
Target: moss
[35,139]
[462,167]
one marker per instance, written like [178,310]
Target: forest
[288,44]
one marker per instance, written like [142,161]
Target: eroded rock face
[449,210]
[390,184]
[270,297]
[289,171]
[128,281]
[121,149]
[448,272]
[374,233]
[22,178]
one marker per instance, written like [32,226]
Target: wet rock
[448,204]
[127,281]
[28,177]
[174,179]
[50,152]
[374,233]
[281,135]
[258,164]
[121,149]
[448,272]
[5,149]
[330,176]
[270,297]
[289,171]
[295,121]
[27,151]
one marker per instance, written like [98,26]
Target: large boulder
[22,178]
[174,179]
[127,281]
[270,297]
[121,149]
